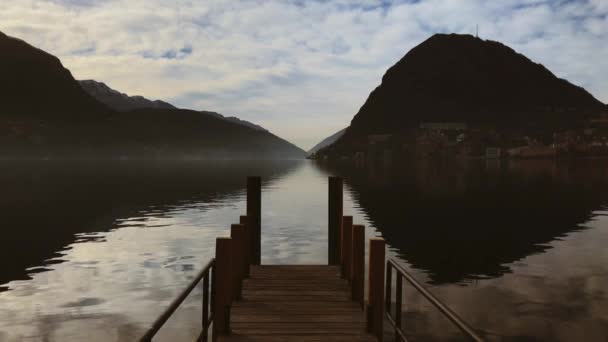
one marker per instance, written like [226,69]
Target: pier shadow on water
[461,221]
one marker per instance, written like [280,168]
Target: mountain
[123,103]
[327,141]
[120,101]
[45,113]
[464,79]
[35,85]
[193,134]
[237,121]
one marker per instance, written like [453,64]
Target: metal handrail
[206,273]
[396,321]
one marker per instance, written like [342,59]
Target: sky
[300,68]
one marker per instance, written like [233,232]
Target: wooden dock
[244,301]
[297,303]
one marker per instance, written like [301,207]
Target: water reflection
[48,205]
[464,221]
[517,249]
[138,235]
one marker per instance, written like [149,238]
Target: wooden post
[254,212]
[237,233]
[347,246]
[376,286]
[358,265]
[222,278]
[334,220]
[244,220]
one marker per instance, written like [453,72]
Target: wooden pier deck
[245,301]
[297,303]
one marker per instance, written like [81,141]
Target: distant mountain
[120,101]
[237,121]
[123,102]
[45,113]
[461,78]
[327,141]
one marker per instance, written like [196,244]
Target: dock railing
[223,275]
[395,321]
[351,246]
[221,280]
[206,275]
[379,284]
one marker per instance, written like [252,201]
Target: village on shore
[461,140]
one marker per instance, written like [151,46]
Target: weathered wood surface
[307,303]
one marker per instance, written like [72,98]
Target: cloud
[300,68]
[170,54]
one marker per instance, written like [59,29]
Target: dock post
[254,213]
[334,220]
[237,233]
[243,219]
[358,265]
[347,246]
[223,286]
[376,287]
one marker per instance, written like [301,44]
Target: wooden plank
[358,266]
[302,277]
[306,303]
[295,268]
[299,318]
[283,292]
[254,214]
[347,246]
[294,282]
[300,327]
[342,313]
[299,280]
[269,279]
[223,285]
[376,286]
[237,233]
[295,273]
[292,298]
[234,337]
[310,276]
[297,305]
[334,222]
[244,220]
[294,288]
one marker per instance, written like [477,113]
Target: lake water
[96,251]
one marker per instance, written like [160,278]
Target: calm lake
[95,252]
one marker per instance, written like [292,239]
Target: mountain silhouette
[123,103]
[120,101]
[461,78]
[327,141]
[45,113]
[465,221]
[237,121]
[35,85]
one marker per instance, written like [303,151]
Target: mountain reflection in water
[463,221]
[514,247]
[97,250]
[44,204]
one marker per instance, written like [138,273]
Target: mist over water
[95,251]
